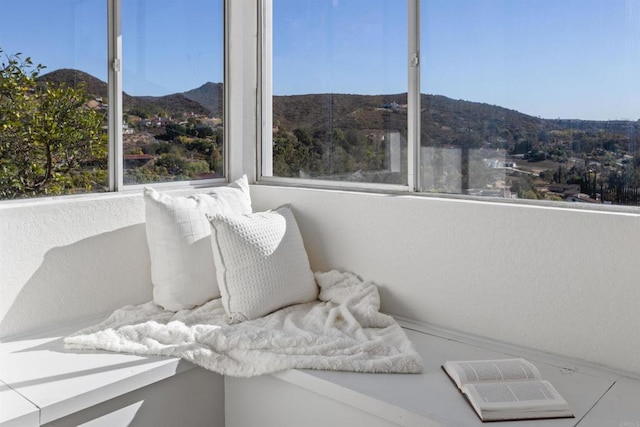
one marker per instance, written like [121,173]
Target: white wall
[72,257]
[558,280]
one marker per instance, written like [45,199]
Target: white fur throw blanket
[343,331]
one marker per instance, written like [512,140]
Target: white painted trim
[265,90]
[331,184]
[241,86]
[226,150]
[413,96]
[115,150]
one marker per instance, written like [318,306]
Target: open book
[507,389]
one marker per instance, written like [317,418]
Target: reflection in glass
[340,90]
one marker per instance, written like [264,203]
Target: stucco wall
[68,258]
[559,280]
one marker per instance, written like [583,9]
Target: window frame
[414,187]
[115,149]
[115,65]
[264,143]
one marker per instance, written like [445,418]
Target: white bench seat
[61,383]
[15,410]
[320,398]
[42,383]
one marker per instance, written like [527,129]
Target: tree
[173,163]
[174,130]
[50,141]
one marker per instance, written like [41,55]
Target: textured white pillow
[261,263]
[179,239]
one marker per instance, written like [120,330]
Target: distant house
[391,106]
[565,189]
[499,164]
[126,130]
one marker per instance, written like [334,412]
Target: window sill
[127,192]
[316,185]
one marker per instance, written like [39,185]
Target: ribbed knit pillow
[261,263]
[179,239]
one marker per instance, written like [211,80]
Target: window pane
[53,137]
[173,68]
[340,90]
[531,99]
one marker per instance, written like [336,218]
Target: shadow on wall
[355,250]
[92,276]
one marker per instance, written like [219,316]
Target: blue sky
[548,58]
[168,45]
[553,58]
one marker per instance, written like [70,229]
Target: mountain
[93,85]
[443,120]
[346,111]
[209,95]
[174,104]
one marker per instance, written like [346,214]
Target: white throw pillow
[179,239]
[261,263]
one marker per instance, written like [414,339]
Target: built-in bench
[454,263]
[46,384]
[598,396]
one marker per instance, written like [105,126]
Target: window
[512,99]
[533,100]
[339,83]
[174,103]
[81,122]
[53,137]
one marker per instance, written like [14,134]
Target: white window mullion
[413,96]
[115,163]
[265,103]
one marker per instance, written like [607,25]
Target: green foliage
[173,163]
[336,152]
[160,148]
[525,189]
[197,167]
[145,175]
[175,130]
[290,157]
[50,141]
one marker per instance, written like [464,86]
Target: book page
[493,370]
[516,400]
[532,392]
